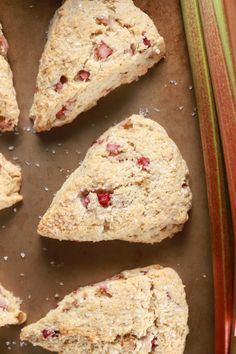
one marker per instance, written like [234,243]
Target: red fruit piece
[146,42]
[184,185]
[50,333]
[103,290]
[118,276]
[3,46]
[113,149]
[61,114]
[85,199]
[104,199]
[103,21]
[4,124]
[127,123]
[143,162]
[59,85]
[3,303]
[102,51]
[154,343]
[82,75]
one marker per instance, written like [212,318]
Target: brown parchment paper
[51,267]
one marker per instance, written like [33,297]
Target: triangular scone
[9,111]
[92,48]
[10,312]
[138,311]
[10,183]
[132,185]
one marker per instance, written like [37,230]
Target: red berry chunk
[86,201]
[83,75]
[4,124]
[50,333]
[3,303]
[154,343]
[143,162]
[127,123]
[102,51]
[3,46]
[104,199]
[113,149]
[146,41]
[61,114]
[59,85]
[103,290]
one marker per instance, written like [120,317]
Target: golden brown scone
[132,186]
[9,111]
[10,183]
[10,312]
[138,311]
[92,48]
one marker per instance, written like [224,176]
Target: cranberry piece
[104,199]
[4,124]
[85,199]
[102,51]
[184,185]
[3,46]
[154,343]
[146,42]
[143,162]
[59,85]
[103,21]
[82,75]
[61,114]
[50,333]
[113,149]
[103,290]
[126,124]
[118,276]
[3,303]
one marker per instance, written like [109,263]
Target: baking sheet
[52,268]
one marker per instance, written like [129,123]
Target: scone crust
[120,30]
[148,203]
[9,111]
[10,183]
[139,311]
[10,312]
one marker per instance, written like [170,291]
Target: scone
[92,48]
[138,311]
[10,312]
[132,185]
[10,183]
[9,111]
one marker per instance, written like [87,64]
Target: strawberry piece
[143,162]
[50,333]
[104,199]
[3,46]
[126,124]
[146,42]
[82,75]
[113,149]
[102,51]
[154,343]
[3,303]
[61,114]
